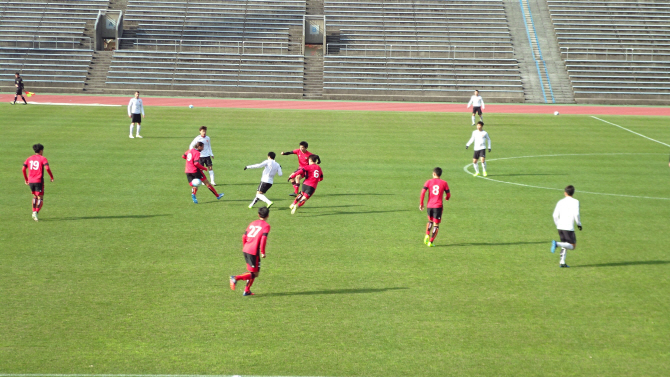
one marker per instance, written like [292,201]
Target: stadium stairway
[97,72]
[313,78]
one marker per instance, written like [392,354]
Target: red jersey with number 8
[255,236]
[35,165]
[313,175]
[436,189]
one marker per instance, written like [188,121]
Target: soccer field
[123,274]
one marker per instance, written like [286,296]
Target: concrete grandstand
[532,51]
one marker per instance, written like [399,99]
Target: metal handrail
[38,40]
[390,49]
[242,47]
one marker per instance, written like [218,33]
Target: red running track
[343,105]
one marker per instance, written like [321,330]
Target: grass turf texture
[124,274]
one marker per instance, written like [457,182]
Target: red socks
[34,205]
[249,283]
[428,228]
[435,230]
[194,190]
[296,188]
[246,276]
[213,190]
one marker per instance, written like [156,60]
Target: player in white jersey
[271,168]
[206,154]
[477,104]
[479,137]
[135,113]
[566,214]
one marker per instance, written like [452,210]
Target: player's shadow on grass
[519,175]
[104,217]
[333,292]
[493,243]
[631,263]
[352,212]
[355,194]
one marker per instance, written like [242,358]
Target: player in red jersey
[313,175]
[35,165]
[253,248]
[436,189]
[194,171]
[303,160]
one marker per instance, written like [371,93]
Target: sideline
[624,128]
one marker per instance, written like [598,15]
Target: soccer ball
[190,106]
[556,113]
[196,182]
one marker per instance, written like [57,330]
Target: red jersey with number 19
[436,188]
[35,165]
[255,237]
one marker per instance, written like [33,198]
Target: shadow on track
[494,243]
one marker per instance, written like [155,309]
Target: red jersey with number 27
[436,189]
[255,237]
[35,165]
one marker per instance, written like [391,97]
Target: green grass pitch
[123,274]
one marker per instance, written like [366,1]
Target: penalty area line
[638,134]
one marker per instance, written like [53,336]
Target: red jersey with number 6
[255,237]
[436,189]
[313,175]
[35,165]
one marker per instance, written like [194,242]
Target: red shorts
[253,262]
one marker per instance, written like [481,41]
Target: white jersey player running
[271,168]
[566,214]
[206,154]
[477,104]
[479,137]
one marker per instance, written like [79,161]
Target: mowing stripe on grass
[137,375]
[465,168]
[624,128]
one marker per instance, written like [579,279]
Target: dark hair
[438,171]
[137,91]
[477,90]
[38,147]
[199,144]
[304,144]
[315,158]
[570,190]
[16,74]
[271,155]
[263,212]
[480,122]
[203,128]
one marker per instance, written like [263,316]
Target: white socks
[563,253]
[473,119]
[263,198]
[211,175]
[476,165]
[131,129]
[138,130]
[484,166]
[565,245]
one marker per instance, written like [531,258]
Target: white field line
[69,104]
[465,168]
[624,128]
